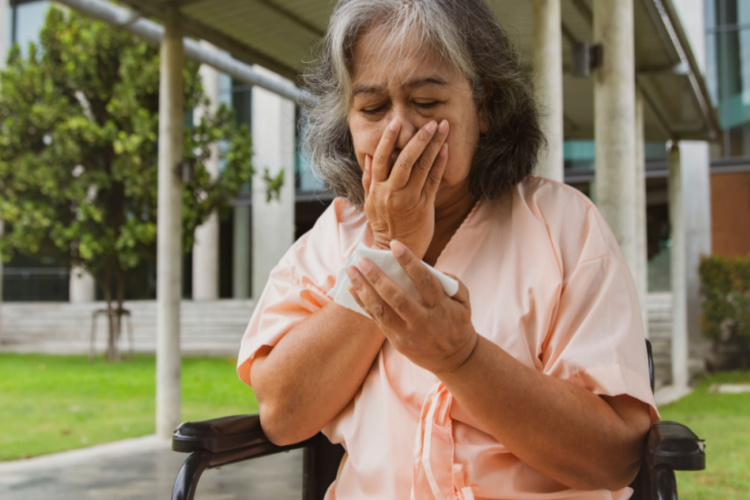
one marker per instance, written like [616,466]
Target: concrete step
[207,327]
[211,327]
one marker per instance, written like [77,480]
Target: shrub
[725,289]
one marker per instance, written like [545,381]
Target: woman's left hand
[435,331]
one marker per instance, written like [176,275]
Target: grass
[55,403]
[723,420]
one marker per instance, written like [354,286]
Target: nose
[409,127]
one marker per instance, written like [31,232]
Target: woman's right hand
[400,194]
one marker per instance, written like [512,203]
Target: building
[670,112]
[728,78]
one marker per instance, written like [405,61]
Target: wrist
[460,358]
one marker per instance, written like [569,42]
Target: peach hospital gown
[547,284]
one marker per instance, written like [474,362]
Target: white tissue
[385,260]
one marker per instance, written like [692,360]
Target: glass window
[242,103]
[305,179]
[6,28]
[580,156]
[711,65]
[27,22]
[728,72]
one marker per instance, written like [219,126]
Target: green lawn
[54,403]
[723,420]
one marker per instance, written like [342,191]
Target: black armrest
[219,434]
[217,442]
[675,446]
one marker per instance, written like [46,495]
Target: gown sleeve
[296,288]
[597,339]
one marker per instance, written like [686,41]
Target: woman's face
[415,88]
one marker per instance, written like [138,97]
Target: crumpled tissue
[386,261]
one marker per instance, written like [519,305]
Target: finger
[381,167]
[409,156]
[427,285]
[367,175]
[432,183]
[462,295]
[393,296]
[356,298]
[430,155]
[369,299]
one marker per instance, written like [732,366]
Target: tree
[78,153]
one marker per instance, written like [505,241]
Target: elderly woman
[531,380]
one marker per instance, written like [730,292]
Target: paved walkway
[145,469]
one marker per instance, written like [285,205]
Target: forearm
[560,429]
[313,372]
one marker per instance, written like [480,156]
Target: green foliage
[725,288]
[723,420]
[273,184]
[79,123]
[55,403]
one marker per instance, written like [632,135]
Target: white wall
[273,129]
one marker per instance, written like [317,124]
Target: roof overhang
[279,35]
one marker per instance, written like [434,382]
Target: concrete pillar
[241,252]
[206,260]
[640,273]
[273,128]
[2,276]
[696,185]
[614,122]
[82,286]
[169,227]
[548,85]
[4,39]
[677,266]
[206,246]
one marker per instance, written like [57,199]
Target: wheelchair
[669,447]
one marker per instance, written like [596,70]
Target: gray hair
[465,34]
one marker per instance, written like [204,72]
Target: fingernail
[444,127]
[397,248]
[365,265]
[394,124]
[431,127]
[368,162]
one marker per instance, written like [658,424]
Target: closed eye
[373,110]
[426,104]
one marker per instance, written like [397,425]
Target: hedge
[725,290]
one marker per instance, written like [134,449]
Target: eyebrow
[415,83]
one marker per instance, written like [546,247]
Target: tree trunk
[120,301]
[113,352]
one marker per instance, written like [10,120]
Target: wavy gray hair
[467,35]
